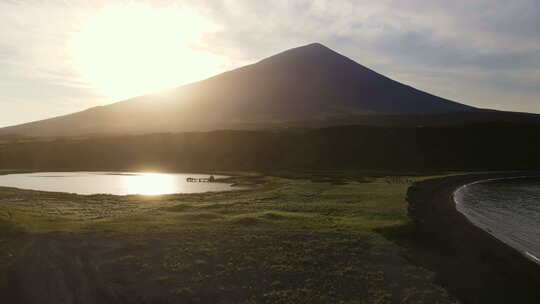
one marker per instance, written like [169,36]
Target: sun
[133,50]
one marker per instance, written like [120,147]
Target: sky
[59,57]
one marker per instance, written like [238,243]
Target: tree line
[483,146]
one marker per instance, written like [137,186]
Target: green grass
[277,202]
[302,238]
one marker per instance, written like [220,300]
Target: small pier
[210,179]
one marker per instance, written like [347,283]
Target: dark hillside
[488,146]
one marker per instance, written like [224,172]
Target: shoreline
[470,262]
[523,251]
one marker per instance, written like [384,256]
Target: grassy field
[286,238]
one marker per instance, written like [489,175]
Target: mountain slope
[302,84]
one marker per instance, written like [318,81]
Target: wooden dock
[210,179]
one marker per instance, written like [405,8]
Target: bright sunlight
[133,50]
[149,184]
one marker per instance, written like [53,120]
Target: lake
[509,209]
[118,183]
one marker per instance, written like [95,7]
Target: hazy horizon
[77,56]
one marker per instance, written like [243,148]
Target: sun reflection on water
[150,184]
[116,183]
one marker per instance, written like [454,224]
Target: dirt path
[202,266]
[48,270]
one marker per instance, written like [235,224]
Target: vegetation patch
[200,216]
[247,221]
[301,240]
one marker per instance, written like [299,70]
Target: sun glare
[133,50]
[150,184]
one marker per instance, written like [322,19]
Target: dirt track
[58,272]
[206,267]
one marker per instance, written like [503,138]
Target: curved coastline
[472,263]
[525,253]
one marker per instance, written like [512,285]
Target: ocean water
[509,209]
[118,183]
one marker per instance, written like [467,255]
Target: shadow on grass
[399,234]
[468,275]
[8,228]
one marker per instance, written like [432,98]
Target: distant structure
[210,179]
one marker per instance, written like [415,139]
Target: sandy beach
[466,258]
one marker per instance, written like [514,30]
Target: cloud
[424,48]
[34,63]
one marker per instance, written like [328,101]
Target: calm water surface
[118,183]
[509,209]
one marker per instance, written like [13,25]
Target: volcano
[308,83]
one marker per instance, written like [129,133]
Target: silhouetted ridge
[310,83]
[313,50]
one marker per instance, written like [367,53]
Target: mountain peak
[314,45]
[314,50]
